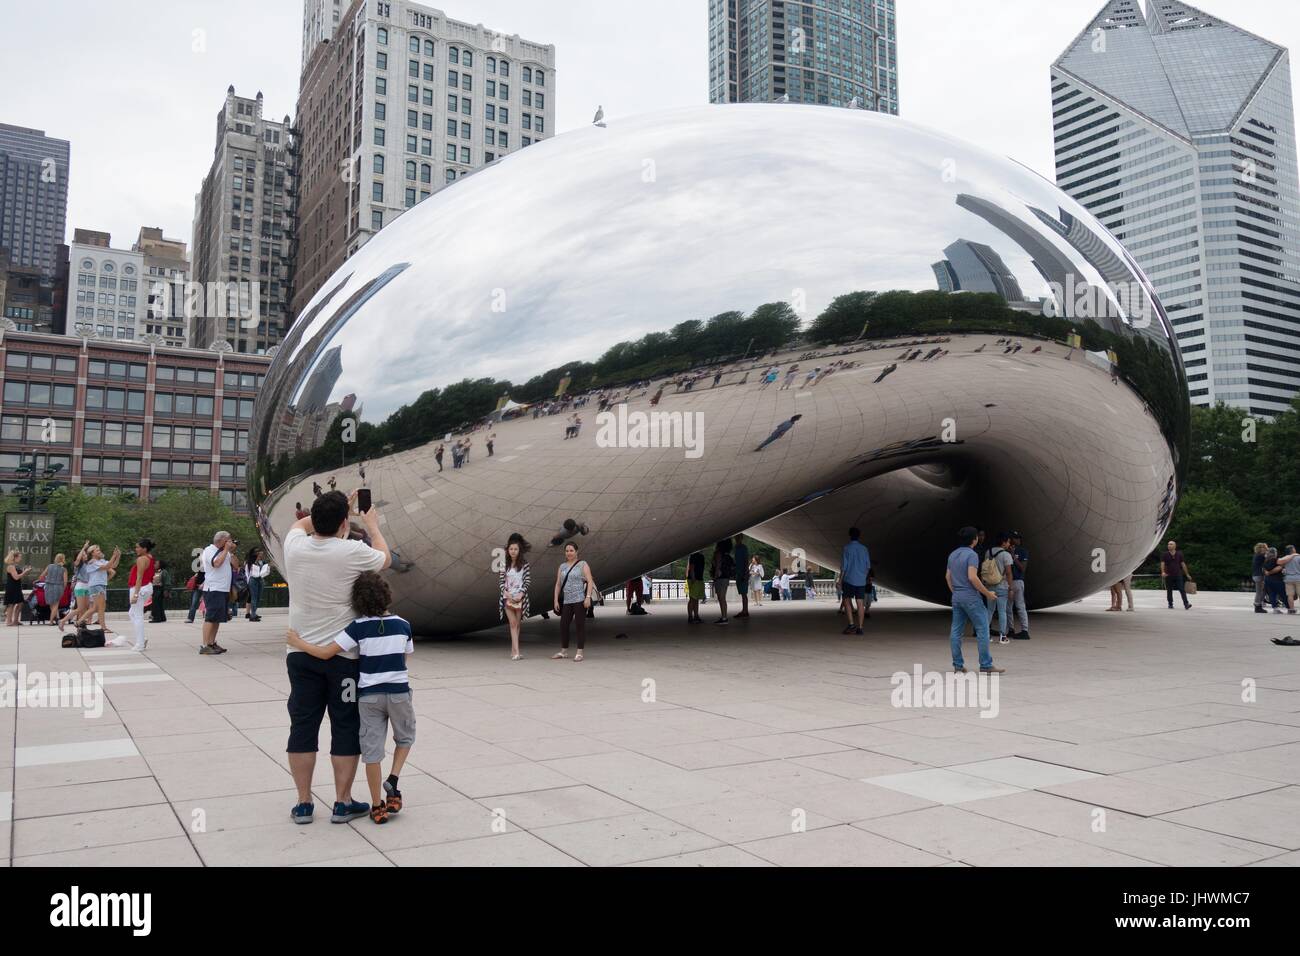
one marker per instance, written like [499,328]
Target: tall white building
[401,102]
[1177,131]
[108,293]
[320,18]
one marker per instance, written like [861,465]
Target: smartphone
[363,500]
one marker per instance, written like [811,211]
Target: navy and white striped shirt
[383,643]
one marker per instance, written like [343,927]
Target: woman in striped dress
[515,581]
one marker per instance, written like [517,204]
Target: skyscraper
[762,51]
[975,267]
[1177,131]
[33,196]
[243,227]
[401,102]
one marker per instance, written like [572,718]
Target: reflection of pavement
[1134,713]
[1085,463]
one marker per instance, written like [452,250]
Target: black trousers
[157,612]
[578,615]
[1173,584]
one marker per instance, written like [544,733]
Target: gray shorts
[377,712]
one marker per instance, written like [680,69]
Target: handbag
[1190,587]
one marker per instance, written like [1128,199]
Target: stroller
[40,608]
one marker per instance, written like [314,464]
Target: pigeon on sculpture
[785,98]
[599,119]
[855,104]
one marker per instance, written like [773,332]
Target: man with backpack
[995,572]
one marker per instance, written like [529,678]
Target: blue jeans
[974,611]
[254,595]
[195,596]
[1000,602]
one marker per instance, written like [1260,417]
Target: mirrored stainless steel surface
[606,265]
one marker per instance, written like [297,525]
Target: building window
[453,79]
[379,136]
[451,152]
[426,147]
[490,112]
[412,93]
[464,155]
[410,169]
[491,64]
[379,162]
[539,100]
[450,176]
[428,48]
[426,173]
[381,61]
[453,54]
[503,114]
[466,106]
[453,103]
[539,78]
[410,198]
[539,124]
[381,86]
[528,75]
[381,111]
[381,36]
[503,68]
[451,127]
[466,58]
[466,82]
[413,44]
[377,192]
[376,220]
[411,143]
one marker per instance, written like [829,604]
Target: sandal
[577,658]
[559,657]
[394,804]
[516,657]
[379,813]
[1287,641]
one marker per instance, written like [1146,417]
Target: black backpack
[90,636]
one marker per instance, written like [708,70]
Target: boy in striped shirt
[384,695]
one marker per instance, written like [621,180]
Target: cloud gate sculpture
[784,320]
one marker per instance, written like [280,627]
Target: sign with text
[32,533]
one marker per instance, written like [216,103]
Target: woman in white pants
[141,583]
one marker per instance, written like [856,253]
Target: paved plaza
[1133,739]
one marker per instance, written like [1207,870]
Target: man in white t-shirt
[216,560]
[320,564]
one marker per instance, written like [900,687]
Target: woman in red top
[141,582]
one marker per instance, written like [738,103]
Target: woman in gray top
[574,589]
[56,578]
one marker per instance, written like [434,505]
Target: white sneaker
[142,646]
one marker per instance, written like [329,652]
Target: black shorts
[314,687]
[858,591]
[216,609]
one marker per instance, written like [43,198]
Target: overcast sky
[136,89]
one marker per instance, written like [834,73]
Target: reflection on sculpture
[725,318]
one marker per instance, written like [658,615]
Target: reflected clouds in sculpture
[544,262]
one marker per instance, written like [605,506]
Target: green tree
[1215,532]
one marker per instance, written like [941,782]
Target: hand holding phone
[363,500]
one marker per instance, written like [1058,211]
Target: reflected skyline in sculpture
[755,226]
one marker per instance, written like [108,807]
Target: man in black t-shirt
[1173,572]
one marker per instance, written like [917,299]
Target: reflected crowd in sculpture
[600,317]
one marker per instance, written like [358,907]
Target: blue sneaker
[345,812]
[303,813]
